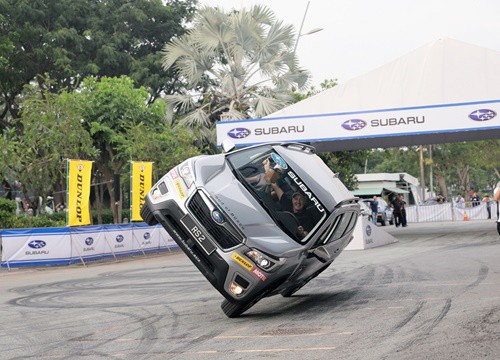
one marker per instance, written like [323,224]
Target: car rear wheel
[290,291]
[235,309]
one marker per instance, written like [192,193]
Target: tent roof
[442,72]
[445,71]
[444,82]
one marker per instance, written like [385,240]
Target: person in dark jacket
[396,211]
[402,204]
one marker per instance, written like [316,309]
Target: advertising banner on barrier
[87,242]
[145,236]
[119,239]
[141,177]
[58,246]
[36,246]
[78,184]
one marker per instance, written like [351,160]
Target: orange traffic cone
[465,216]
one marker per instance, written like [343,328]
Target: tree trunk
[442,184]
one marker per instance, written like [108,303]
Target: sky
[361,35]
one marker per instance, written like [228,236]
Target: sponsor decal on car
[242,261]
[239,133]
[259,274]
[179,187]
[482,115]
[173,174]
[306,191]
[278,160]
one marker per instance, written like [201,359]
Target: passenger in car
[296,204]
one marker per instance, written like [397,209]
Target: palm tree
[236,65]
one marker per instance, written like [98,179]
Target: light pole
[315,30]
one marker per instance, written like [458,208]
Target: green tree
[125,127]
[237,65]
[52,132]
[70,40]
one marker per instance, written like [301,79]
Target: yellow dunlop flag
[141,176]
[79,177]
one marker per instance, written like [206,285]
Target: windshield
[279,190]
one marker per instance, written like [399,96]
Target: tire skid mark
[427,327]
[410,316]
[481,276]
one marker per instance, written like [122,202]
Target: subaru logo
[217,216]
[239,133]
[368,230]
[119,238]
[37,244]
[89,241]
[279,161]
[354,124]
[147,235]
[482,115]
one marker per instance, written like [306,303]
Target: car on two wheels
[230,214]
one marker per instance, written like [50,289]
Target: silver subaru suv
[256,222]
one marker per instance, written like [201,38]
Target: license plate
[198,234]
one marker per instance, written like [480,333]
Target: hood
[239,205]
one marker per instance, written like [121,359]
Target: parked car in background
[384,214]
[365,210]
[227,213]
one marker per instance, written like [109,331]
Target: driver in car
[296,204]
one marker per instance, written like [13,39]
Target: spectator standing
[496,197]
[475,199]
[460,201]
[440,199]
[396,211]
[374,207]
[402,203]
[486,199]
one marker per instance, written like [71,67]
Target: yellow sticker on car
[180,188]
[242,261]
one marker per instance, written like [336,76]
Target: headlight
[260,259]
[186,174]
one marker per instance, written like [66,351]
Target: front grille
[202,213]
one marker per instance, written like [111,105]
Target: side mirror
[321,254]
[227,145]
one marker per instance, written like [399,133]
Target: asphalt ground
[433,295]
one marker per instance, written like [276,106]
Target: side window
[340,226]
[341,229]
[352,223]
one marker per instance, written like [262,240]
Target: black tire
[290,291]
[233,310]
[147,216]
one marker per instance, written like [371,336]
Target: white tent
[445,91]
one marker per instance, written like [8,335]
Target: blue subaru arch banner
[366,129]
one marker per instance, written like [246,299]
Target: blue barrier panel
[61,246]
